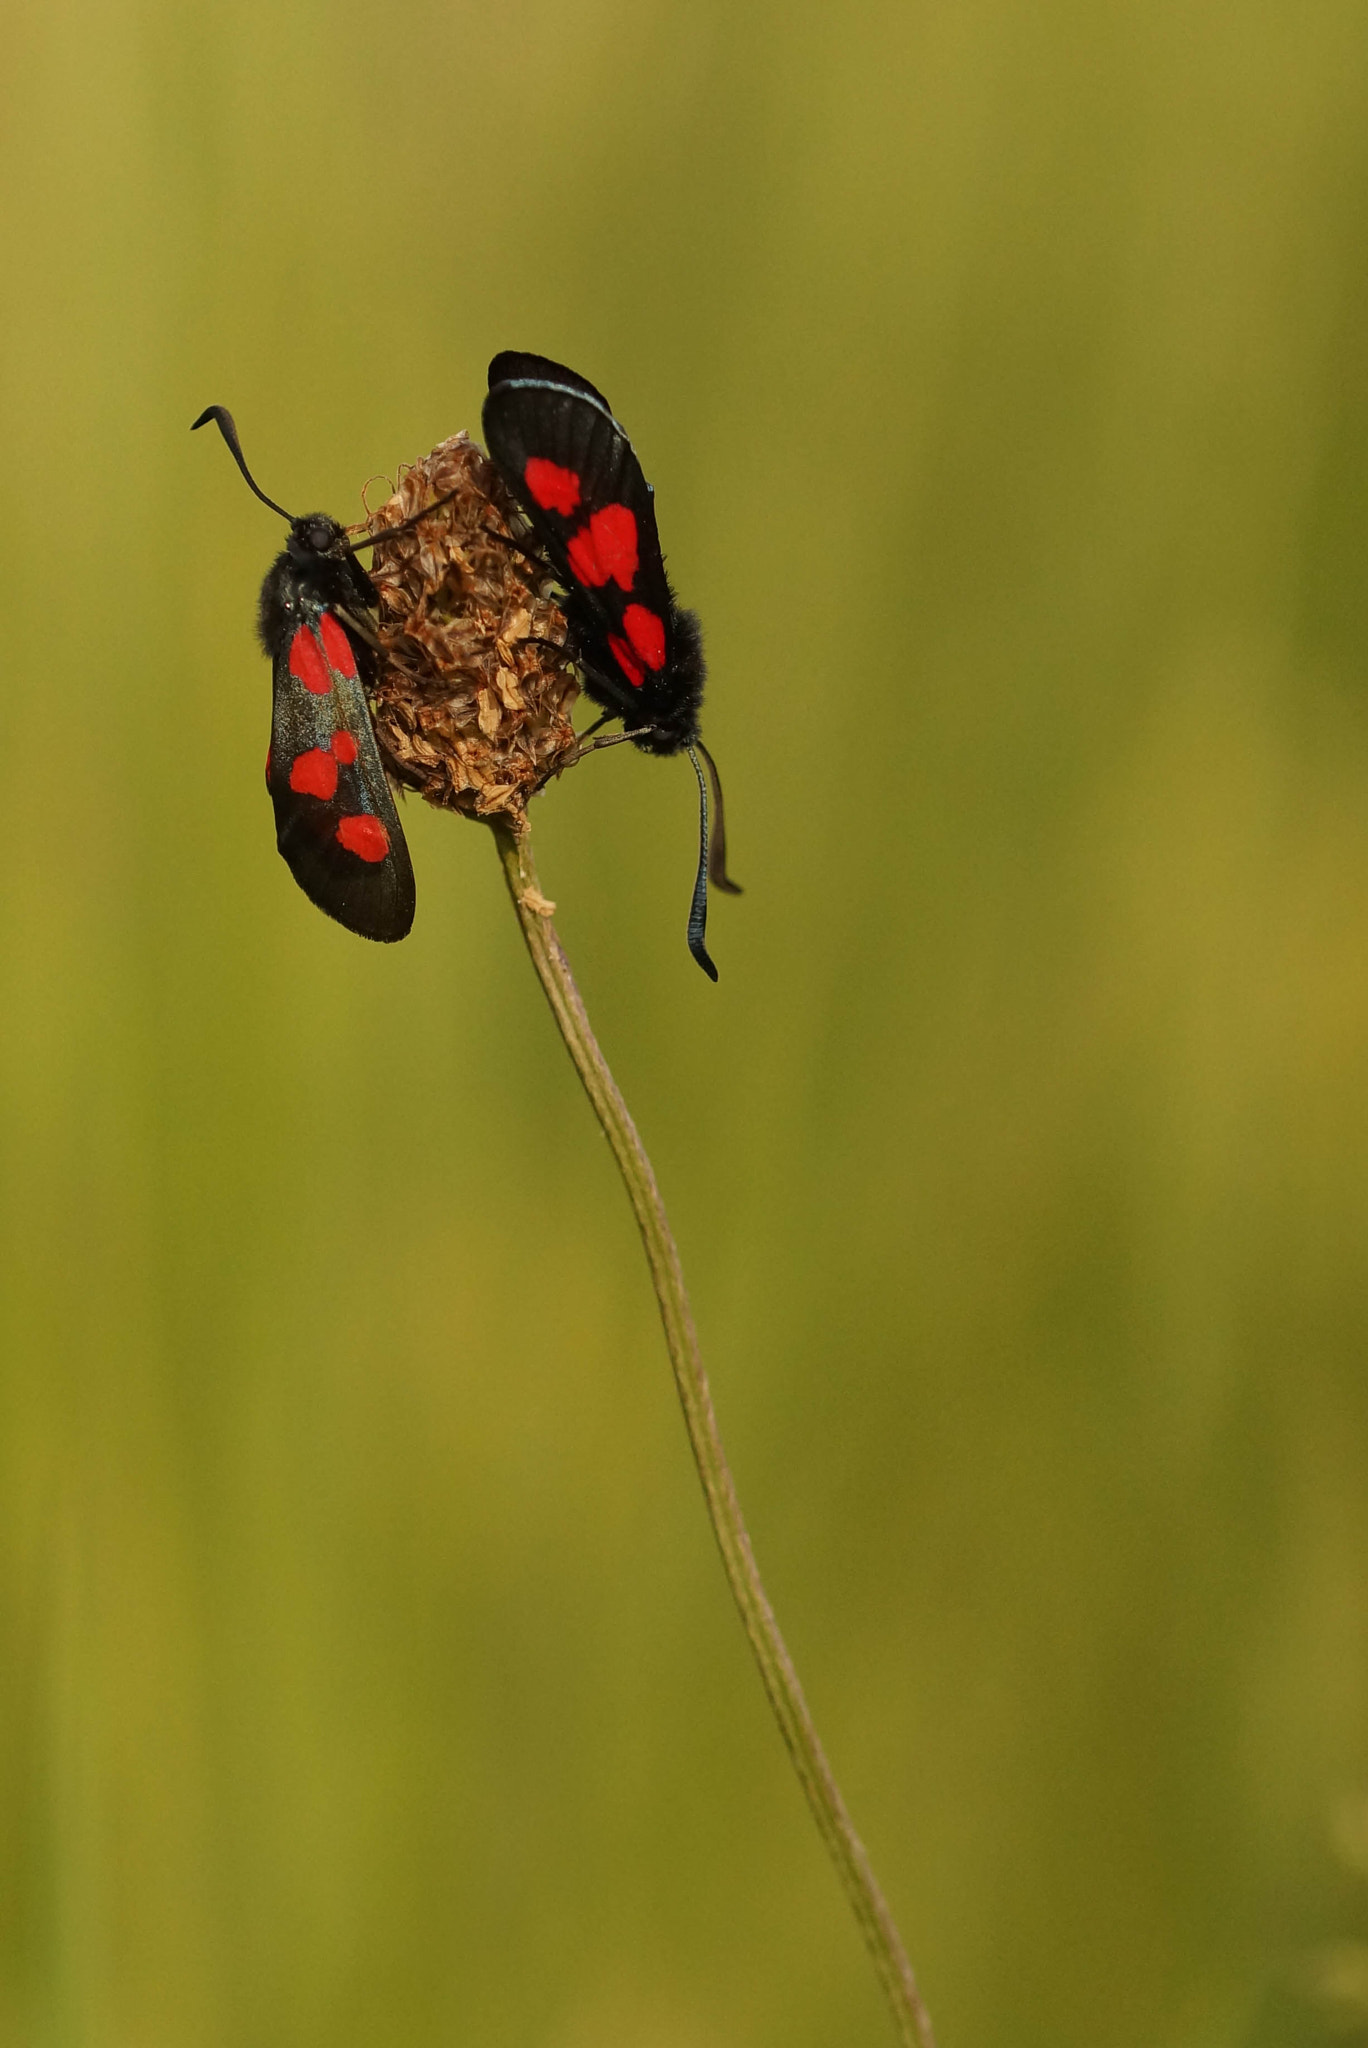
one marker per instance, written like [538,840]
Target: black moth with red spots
[573,472]
[336,824]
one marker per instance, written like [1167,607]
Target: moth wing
[571,467]
[514,363]
[336,822]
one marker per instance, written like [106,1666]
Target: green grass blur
[368,1676]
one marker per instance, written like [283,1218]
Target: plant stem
[780,1679]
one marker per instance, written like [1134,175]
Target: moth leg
[506,540]
[362,627]
[554,646]
[613,739]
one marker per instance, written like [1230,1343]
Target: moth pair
[590,517]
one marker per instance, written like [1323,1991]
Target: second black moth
[576,479]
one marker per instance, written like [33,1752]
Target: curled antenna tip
[717,857]
[223,420]
[698,907]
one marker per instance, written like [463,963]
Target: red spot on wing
[344,746]
[606,546]
[627,661]
[555,489]
[646,633]
[307,665]
[314,774]
[584,562]
[337,646]
[364,836]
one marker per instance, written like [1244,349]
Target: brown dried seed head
[473,701]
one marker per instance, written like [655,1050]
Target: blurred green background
[368,1675]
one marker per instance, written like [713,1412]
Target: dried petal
[474,698]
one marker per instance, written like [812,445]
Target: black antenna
[223,420]
[717,864]
[698,909]
[373,540]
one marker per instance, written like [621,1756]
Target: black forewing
[374,898]
[517,363]
[539,409]
[567,422]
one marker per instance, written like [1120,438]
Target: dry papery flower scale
[472,708]
[473,703]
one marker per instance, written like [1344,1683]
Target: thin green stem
[780,1679]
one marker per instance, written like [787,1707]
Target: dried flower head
[473,699]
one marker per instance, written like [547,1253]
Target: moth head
[315,535]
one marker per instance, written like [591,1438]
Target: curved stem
[780,1679]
